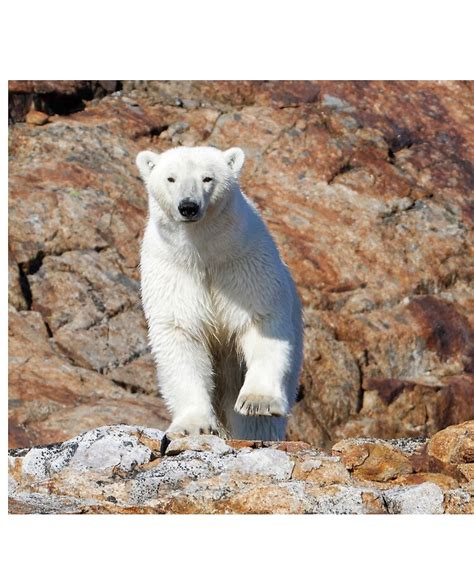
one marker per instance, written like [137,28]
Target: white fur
[223,314]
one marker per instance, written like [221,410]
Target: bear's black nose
[188,208]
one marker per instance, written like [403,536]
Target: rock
[80,288]
[331,386]
[61,97]
[294,498]
[467,472]
[198,444]
[101,449]
[267,462]
[136,375]
[36,118]
[98,450]
[17,296]
[223,94]
[50,398]
[366,188]
[458,501]
[373,460]
[452,451]
[347,500]
[119,469]
[46,87]
[453,445]
[292,447]
[424,498]
[266,499]
[444,481]
[416,410]
[323,470]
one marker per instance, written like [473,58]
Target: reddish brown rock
[330,385]
[292,447]
[445,330]
[137,375]
[237,444]
[223,94]
[61,97]
[395,408]
[453,445]
[287,446]
[43,87]
[321,470]
[36,118]
[373,461]
[264,499]
[444,481]
[51,399]
[408,388]
[366,187]
[467,477]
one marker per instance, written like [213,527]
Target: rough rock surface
[366,187]
[119,469]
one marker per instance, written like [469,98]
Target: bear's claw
[182,433]
[165,442]
[260,405]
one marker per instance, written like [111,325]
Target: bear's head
[188,183]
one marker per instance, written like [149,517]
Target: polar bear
[224,317]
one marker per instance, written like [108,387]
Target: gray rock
[346,500]
[110,450]
[265,462]
[205,443]
[426,498]
[99,449]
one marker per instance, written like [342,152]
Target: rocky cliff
[120,469]
[366,187]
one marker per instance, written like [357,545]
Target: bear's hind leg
[266,428]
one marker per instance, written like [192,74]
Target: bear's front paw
[193,425]
[190,425]
[250,404]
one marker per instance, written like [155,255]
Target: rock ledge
[119,469]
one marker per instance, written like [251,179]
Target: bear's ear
[146,161]
[235,159]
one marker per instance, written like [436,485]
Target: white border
[356,39]
[266,39]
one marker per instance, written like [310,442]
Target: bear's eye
[207,179]
[171,180]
